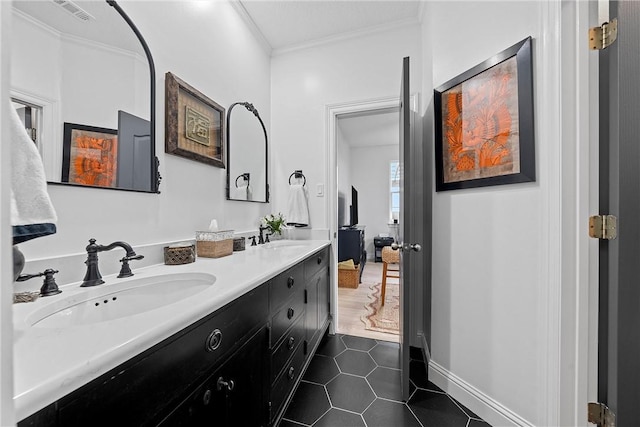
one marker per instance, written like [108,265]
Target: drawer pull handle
[291,342]
[290,313]
[206,399]
[292,373]
[319,260]
[290,282]
[214,340]
[225,385]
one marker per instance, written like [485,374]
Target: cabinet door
[323,298]
[235,395]
[311,314]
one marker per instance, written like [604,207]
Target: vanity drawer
[284,384]
[315,263]
[138,391]
[287,347]
[283,286]
[286,317]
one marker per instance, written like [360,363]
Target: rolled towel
[32,213]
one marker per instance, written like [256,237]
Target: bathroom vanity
[231,354]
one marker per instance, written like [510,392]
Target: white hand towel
[298,212]
[240,193]
[30,202]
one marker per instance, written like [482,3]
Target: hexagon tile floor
[355,382]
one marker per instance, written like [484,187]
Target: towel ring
[298,174]
[246,176]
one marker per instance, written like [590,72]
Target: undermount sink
[284,244]
[116,301]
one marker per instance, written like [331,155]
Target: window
[394,190]
[31,115]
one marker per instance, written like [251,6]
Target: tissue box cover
[214,244]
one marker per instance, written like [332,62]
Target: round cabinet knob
[291,343]
[290,282]
[291,373]
[290,313]
[206,399]
[396,246]
[214,340]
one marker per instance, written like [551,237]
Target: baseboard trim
[483,405]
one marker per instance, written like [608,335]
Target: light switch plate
[319,190]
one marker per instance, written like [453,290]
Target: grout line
[415,416]
[325,413]
[293,421]
[455,402]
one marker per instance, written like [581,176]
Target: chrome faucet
[93,276]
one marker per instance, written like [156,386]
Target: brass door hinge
[603,36]
[603,227]
[600,415]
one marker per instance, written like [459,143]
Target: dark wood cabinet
[351,246]
[236,367]
[231,395]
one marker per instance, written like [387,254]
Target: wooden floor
[351,305]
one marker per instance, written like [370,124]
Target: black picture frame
[93,153]
[493,143]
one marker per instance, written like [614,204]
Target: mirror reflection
[80,81]
[247,147]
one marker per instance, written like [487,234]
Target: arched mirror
[83,83]
[247,148]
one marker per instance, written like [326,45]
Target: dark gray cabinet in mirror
[247,154]
[83,82]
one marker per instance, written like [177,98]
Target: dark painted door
[619,311]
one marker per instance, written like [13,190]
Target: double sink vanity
[216,342]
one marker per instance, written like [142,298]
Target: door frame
[332,112]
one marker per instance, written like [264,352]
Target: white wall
[226,64]
[491,263]
[370,176]
[305,81]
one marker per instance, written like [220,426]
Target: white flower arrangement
[274,222]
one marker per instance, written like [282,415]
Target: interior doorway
[364,152]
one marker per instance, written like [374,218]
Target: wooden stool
[389,256]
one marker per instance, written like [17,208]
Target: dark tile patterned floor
[355,382]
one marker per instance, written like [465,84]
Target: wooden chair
[389,256]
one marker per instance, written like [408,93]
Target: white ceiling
[286,24]
[369,128]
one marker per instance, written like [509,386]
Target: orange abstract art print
[90,156]
[480,137]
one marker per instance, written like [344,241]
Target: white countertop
[49,363]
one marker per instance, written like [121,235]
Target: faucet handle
[49,285]
[125,271]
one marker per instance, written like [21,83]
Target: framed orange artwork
[90,155]
[484,128]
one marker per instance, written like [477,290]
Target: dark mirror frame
[155,174]
[253,110]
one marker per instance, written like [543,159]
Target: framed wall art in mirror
[247,153]
[51,83]
[484,128]
[194,123]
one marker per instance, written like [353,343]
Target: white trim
[548,53]
[346,36]
[250,23]
[331,160]
[480,403]
[50,141]
[7,412]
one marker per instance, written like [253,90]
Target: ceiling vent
[74,9]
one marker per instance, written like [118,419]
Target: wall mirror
[247,150]
[83,82]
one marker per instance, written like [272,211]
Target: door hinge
[600,415]
[603,227]
[603,36]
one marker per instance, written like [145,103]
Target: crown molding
[249,22]
[346,36]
